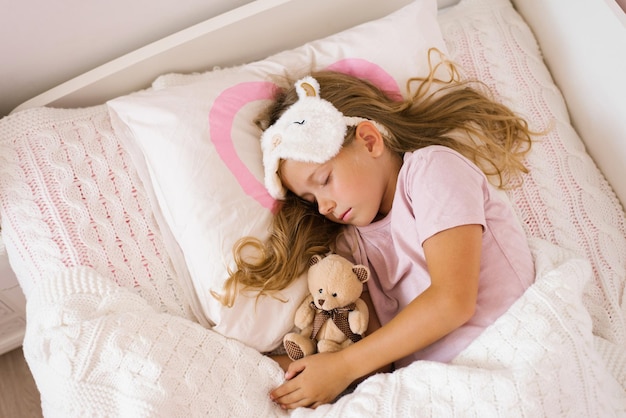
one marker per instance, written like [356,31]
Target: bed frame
[571,35]
[247,30]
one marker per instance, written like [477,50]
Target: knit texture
[71,197]
[565,199]
[111,329]
[97,349]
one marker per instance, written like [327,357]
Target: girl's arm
[453,259]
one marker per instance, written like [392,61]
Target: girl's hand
[313,381]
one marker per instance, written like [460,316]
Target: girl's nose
[325,206]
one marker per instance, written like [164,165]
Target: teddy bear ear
[362,272]
[315,259]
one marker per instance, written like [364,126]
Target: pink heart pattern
[232,100]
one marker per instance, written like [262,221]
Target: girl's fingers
[287,387]
[288,400]
[280,392]
[294,369]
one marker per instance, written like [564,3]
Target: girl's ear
[371,137]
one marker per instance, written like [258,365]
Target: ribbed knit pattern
[565,199]
[69,196]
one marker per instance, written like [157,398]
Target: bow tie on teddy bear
[338,315]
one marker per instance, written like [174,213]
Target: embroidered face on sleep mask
[311,130]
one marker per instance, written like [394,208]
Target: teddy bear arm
[358,319]
[304,314]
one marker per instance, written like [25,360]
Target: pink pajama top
[438,189]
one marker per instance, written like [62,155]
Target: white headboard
[249,31]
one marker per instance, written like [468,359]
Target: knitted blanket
[98,349]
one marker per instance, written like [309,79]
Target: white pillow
[196,146]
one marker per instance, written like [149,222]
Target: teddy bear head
[335,282]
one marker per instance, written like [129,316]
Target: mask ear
[362,272]
[309,89]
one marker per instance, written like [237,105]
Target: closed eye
[301,122]
[326,179]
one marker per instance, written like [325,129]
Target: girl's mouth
[342,217]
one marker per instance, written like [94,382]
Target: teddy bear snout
[321,301]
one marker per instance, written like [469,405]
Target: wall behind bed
[44,43]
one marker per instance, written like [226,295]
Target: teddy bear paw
[293,350]
[298,346]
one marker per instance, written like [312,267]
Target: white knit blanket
[100,350]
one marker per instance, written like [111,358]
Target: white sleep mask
[311,130]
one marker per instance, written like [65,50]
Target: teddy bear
[333,315]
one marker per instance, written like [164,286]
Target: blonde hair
[454,113]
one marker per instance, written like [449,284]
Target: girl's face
[355,187]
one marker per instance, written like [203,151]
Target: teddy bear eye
[320,290]
[334,295]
